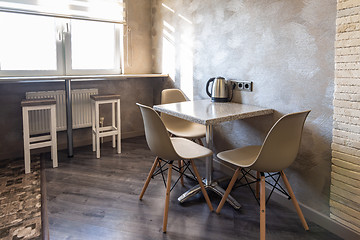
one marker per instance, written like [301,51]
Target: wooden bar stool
[105,131]
[48,140]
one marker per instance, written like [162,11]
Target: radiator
[81,110]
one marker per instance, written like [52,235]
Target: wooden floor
[91,198]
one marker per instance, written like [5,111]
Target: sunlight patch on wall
[168,51]
[186,68]
[185,19]
[167,7]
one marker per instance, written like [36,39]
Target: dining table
[209,114]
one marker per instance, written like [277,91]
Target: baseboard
[309,213]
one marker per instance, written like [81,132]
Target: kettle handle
[207,86]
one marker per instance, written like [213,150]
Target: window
[27,43]
[47,42]
[94,46]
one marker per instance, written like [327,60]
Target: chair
[167,151]
[34,142]
[278,151]
[100,131]
[177,126]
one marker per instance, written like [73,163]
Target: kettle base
[213,99]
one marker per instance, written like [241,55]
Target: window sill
[78,78]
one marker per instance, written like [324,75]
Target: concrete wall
[345,181]
[137,41]
[11,143]
[285,47]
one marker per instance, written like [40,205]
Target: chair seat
[241,157]
[186,129]
[105,97]
[38,102]
[187,149]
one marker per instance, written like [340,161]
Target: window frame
[63,53]
[117,56]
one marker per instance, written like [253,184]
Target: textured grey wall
[285,47]
[137,45]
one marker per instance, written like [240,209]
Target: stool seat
[104,131]
[104,97]
[42,140]
[38,102]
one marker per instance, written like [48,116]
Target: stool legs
[104,131]
[97,130]
[93,125]
[26,134]
[34,142]
[53,136]
[113,123]
[118,127]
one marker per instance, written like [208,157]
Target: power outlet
[242,85]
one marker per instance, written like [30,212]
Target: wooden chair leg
[257,186]
[294,201]
[228,190]
[203,190]
[167,199]
[181,165]
[262,208]
[149,177]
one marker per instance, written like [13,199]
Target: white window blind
[96,10]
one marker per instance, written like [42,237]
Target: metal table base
[208,182]
[213,187]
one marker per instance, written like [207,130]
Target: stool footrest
[105,129]
[106,134]
[40,138]
[108,128]
[40,145]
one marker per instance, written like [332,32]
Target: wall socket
[242,85]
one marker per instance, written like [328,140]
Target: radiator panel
[81,110]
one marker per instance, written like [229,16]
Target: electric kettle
[219,89]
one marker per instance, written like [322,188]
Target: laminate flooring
[91,198]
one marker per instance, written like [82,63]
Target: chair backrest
[171,95]
[281,144]
[157,136]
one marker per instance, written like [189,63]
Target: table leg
[209,159]
[69,117]
[208,181]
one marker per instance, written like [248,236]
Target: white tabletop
[208,113]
